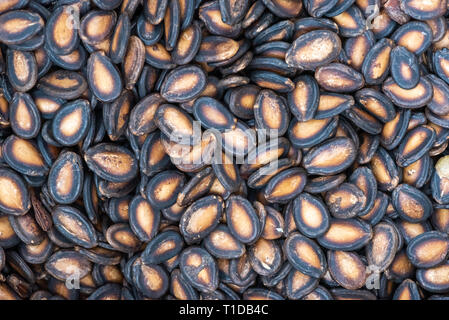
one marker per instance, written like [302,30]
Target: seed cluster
[224,149]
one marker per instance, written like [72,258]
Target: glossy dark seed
[376,64]
[122,238]
[330,157]
[428,249]
[422,10]
[164,246]
[22,69]
[310,215]
[337,77]
[350,22]
[411,204]
[221,244]
[213,115]
[265,257]
[162,190]
[71,122]
[199,268]
[24,156]
[347,268]
[17,26]
[103,77]
[332,104]
[285,186]
[144,220]
[305,255]
[382,248]
[299,284]
[404,68]
[152,280]
[407,290]
[89,30]
[73,225]
[200,218]
[345,201]
[112,162]
[60,31]
[414,145]
[346,235]
[215,22]
[65,179]
[63,84]
[242,219]
[313,49]
[65,263]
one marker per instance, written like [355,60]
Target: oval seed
[221,244]
[119,38]
[345,201]
[271,113]
[183,84]
[413,98]
[411,204]
[265,257]
[415,145]
[60,33]
[152,280]
[404,68]
[215,22]
[305,255]
[63,84]
[242,219]
[299,284]
[434,279]
[216,49]
[96,26]
[440,181]
[65,179]
[197,187]
[103,77]
[175,123]
[376,64]
[347,268]
[17,26]
[111,162]
[199,268]
[346,235]
[22,69]
[382,248]
[188,44]
[285,186]
[337,77]
[162,190]
[313,49]
[330,157]
[213,115]
[421,10]
[122,238]
[14,196]
[428,249]
[376,104]
[304,99]
[71,122]
[66,263]
[74,226]
[201,218]
[24,156]
[25,119]
[143,218]
[162,247]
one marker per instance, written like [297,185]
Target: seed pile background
[329,120]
